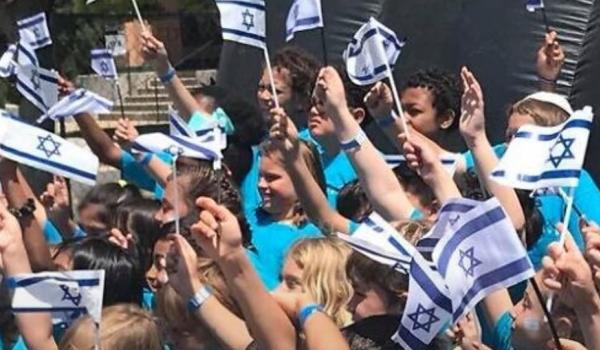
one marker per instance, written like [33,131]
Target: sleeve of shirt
[502,334]
[135,173]
[51,233]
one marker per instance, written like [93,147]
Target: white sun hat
[552,98]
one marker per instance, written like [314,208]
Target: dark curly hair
[303,68]
[355,94]
[445,88]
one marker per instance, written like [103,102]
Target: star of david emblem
[454,220]
[468,262]
[567,153]
[36,32]
[71,294]
[49,146]
[365,69]
[426,313]
[248,20]
[386,44]
[104,67]
[35,79]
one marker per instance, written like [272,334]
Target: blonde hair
[323,264]
[543,113]
[124,327]
[309,155]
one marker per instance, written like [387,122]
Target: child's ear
[359,114]
[446,119]
[564,327]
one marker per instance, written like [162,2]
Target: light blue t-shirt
[338,170]
[51,233]
[134,172]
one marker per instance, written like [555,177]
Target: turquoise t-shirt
[51,233]
[134,172]
[272,240]
[338,170]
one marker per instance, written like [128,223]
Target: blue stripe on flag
[242,3]
[491,278]
[32,93]
[178,126]
[141,148]
[577,123]
[101,55]
[243,33]
[398,246]
[378,70]
[30,22]
[191,146]
[389,37]
[429,287]
[49,308]
[546,175]
[372,225]
[50,163]
[476,225]
[409,338]
[456,207]
[88,282]
[48,78]
[427,242]
[41,42]
[27,53]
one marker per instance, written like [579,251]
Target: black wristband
[25,211]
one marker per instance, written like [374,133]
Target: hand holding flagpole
[271,78]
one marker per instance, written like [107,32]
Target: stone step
[151,83]
[161,89]
[142,107]
[109,121]
[151,98]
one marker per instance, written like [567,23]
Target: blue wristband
[169,75]
[354,142]
[199,298]
[307,311]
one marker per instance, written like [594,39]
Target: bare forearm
[313,200]
[589,322]
[485,162]
[376,178]
[227,328]
[322,334]
[268,323]
[99,142]
[183,100]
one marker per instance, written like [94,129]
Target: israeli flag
[177,145]
[533,5]
[378,240]
[243,21]
[34,31]
[446,217]
[479,253]
[428,308]
[79,101]
[38,85]
[210,132]
[46,151]
[103,63]
[17,54]
[372,46]
[449,161]
[70,291]
[26,55]
[540,157]
[303,15]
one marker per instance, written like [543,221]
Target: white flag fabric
[38,85]
[46,151]
[366,55]
[533,5]
[177,126]
[17,54]
[540,157]
[303,15]
[428,308]
[449,161]
[243,21]
[26,55]
[103,63]
[480,253]
[211,130]
[79,291]
[180,145]
[34,31]
[79,101]
[379,241]
[446,217]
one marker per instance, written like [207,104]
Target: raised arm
[18,194]
[226,327]
[550,59]
[36,328]
[284,134]
[379,182]
[154,51]
[380,103]
[472,128]
[219,235]
[98,140]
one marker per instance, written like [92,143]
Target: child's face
[530,327]
[368,300]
